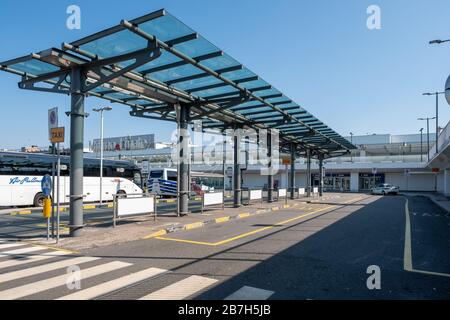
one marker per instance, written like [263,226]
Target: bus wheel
[39,200]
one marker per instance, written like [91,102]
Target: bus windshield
[158,174]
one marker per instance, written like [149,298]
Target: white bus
[21,175]
[164,182]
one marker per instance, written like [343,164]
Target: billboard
[129,143]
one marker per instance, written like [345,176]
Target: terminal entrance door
[369,181]
[337,182]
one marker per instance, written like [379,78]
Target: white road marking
[181,289]
[47,284]
[250,293]
[44,268]
[407,255]
[113,285]
[11,245]
[21,251]
[407,259]
[30,259]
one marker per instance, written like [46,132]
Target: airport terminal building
[401,160]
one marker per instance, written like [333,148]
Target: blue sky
[319,53]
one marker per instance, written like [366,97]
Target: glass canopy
[189,69]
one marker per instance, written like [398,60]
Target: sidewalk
[438,198]
[102,233]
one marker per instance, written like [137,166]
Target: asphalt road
[315,251]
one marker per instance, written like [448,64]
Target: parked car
[385,189]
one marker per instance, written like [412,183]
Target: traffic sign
[52,120]
[447,90]
[46,185]
[230,172]
[286,161]
[57,135]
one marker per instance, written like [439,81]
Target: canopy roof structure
[156,62]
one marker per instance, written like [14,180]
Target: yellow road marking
[52,248]
[89,207]
[186,241]
[244,215]
[255,231]
[223,219]
[156,234]
[193,225]
[245,234]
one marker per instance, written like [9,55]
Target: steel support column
[292,177]
[184,156]
[270,166]
[321,175]
[237,169]
[308,173]
[77,116]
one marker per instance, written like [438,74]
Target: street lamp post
[428,133]
[351,139]
[421,145]
[438,41]
[437,115]
[101,111]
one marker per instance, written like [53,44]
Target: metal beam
[221,108]
[308,172]
[184,158]
[203,75]
[182,39]
[321,175]
[96,71]
[270,186]
[266,111]
[77,116]
[115,29]
[182,63]
[237,169]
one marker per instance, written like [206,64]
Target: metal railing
[213,199]
[443,141]
[253,195]
[128,206]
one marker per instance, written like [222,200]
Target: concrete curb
[436,202]
[201,224]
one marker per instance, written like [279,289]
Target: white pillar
[447,182]
[354,181]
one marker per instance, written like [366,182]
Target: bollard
[47,211]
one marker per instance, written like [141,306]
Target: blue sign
[46,185]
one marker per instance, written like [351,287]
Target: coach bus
[21,175]
[163,182]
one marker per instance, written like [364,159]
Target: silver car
[385,189]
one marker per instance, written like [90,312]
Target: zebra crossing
[37,272]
